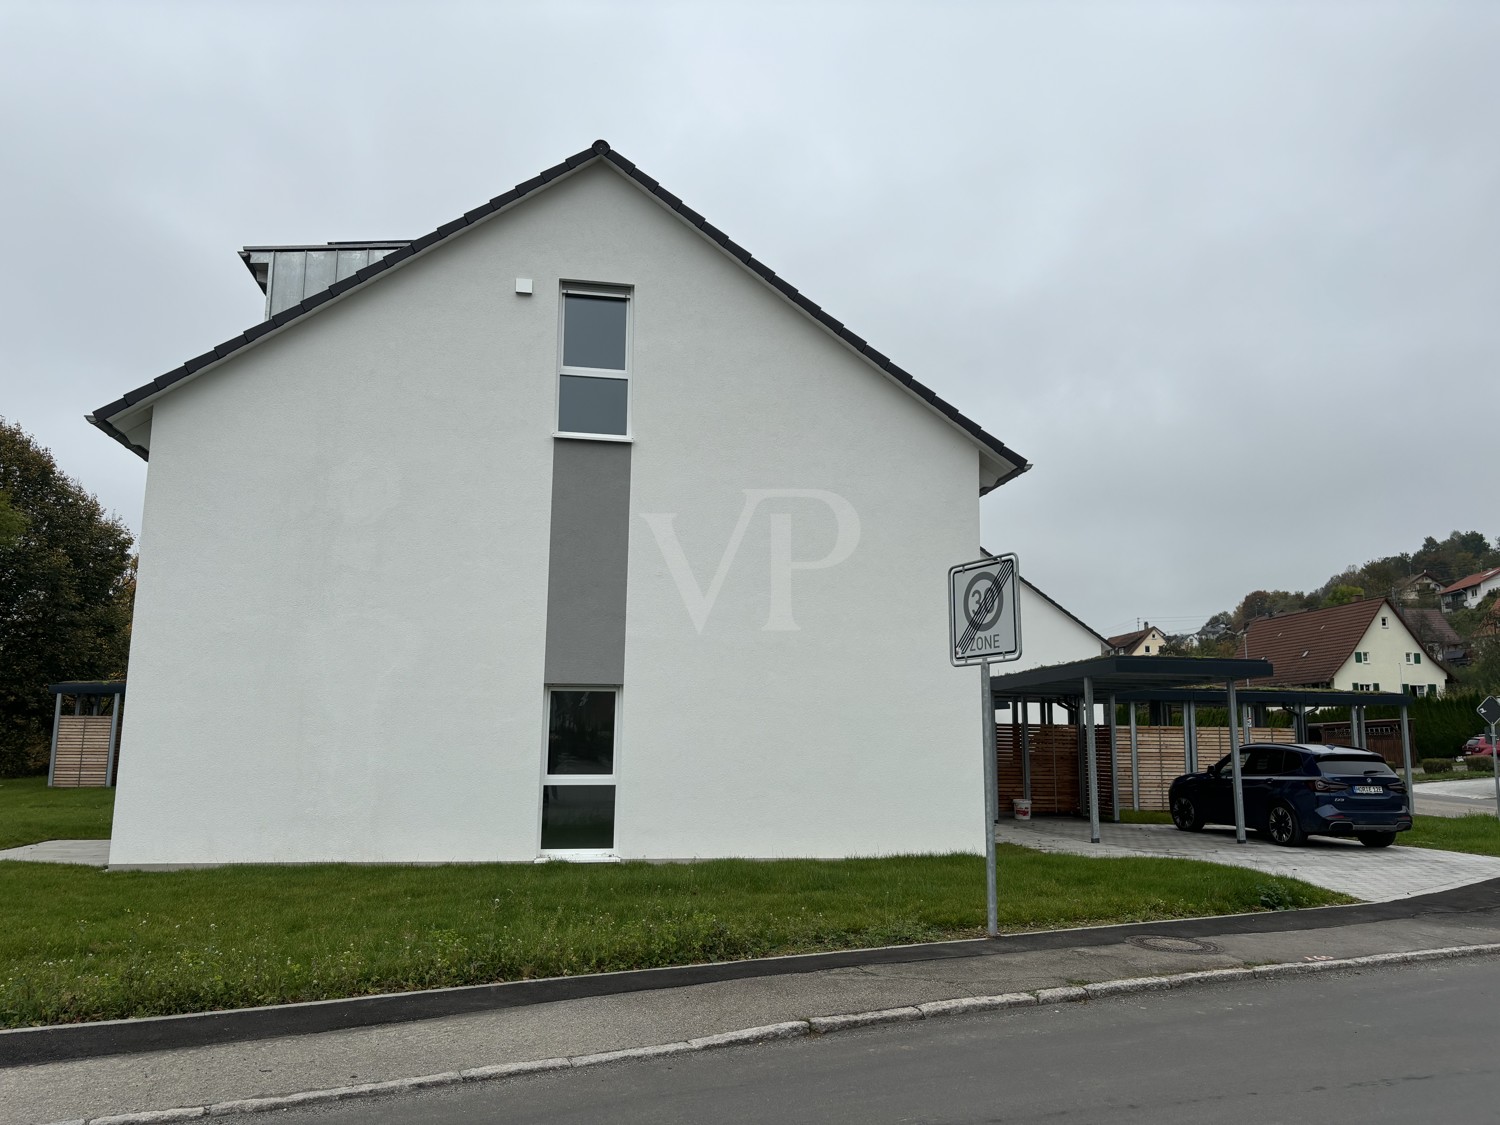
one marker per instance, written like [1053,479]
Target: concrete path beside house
[1347,866]
[93,853]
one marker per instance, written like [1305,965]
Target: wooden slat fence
[1055,762]
[82,751]
[1055,769]
[1162,757]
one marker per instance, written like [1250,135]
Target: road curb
[794,1029]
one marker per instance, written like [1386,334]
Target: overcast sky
[1229,275]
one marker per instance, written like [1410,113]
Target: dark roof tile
[599,149]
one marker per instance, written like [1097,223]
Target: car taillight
[1323,785]
[1396,785]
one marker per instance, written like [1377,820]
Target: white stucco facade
[342,599]
[1390,658]
[1050,635]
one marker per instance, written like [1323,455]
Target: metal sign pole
[991,798]
[1495,758]
[1489,711]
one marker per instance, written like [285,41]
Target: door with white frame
[578,779]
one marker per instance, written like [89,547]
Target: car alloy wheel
[1282,826]
[1185,814]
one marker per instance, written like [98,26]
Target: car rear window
[1354,767]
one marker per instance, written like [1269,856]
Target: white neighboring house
[1468,592]
[569,529]
[1362,646]
[1051,635]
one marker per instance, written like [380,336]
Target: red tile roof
[1471,580]
[1308,648]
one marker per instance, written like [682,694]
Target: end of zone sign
[984,613]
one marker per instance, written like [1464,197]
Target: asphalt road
[1464,797]
[1400,1045]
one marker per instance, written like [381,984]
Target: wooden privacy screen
[1055,761]
[82,751]
[1055,764]
[1383,736]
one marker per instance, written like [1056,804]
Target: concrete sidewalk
[198,1076]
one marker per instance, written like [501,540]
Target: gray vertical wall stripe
[586,570]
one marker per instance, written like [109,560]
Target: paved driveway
[1375,875]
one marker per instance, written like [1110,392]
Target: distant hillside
[1447,560]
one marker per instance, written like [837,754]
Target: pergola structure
[1082,683]
[85,742]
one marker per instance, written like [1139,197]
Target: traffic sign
[984,612]
[1489,710]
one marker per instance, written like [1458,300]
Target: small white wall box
[523,285]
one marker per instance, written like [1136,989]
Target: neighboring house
[1417,586]
[1143,642]
[1468,592]
[1052,635]
[1362,646]
[1438,638]
[569,529]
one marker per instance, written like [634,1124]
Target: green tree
[12,522]
[1343,595]
[66,590]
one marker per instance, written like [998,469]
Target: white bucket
[1023,810]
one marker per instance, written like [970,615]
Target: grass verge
[85,944]
[31,813]
[1478,834]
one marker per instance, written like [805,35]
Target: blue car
[1293,792]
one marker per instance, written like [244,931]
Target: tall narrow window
[593,382]
[578,790]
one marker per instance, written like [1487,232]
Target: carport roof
[1146,676]
[1275,697]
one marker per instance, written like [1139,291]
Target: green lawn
[30,812]
[1478,833]
[80,943]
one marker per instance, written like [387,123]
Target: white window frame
[612,779]
[615,293]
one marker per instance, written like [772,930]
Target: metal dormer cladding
[289,274]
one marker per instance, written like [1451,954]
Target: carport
[1251,700]
[1080,684]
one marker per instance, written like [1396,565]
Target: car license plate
[1372,790]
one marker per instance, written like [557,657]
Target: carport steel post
[1234,767]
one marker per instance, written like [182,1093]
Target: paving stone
[1347,866]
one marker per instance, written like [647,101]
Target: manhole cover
[1174,945]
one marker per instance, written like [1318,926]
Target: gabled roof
[1130,640]
[1429,625]
[107,416]
[1471,580]
[1310,647]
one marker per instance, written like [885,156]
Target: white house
[1052,634]
[567,529]
[1468,592]
[1362,646]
